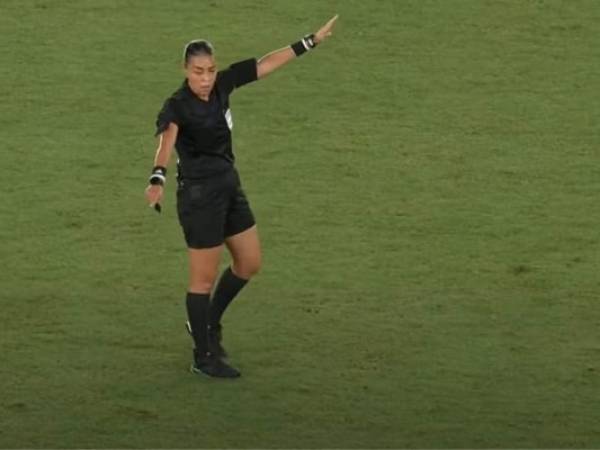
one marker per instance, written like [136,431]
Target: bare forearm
[272,61]
[165,146]
[162,156]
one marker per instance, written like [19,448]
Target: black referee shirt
[204,139]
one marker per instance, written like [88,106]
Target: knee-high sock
[197,309]
[229,286]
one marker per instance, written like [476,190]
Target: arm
[274,60]
[166,143]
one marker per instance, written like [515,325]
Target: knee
[200,287]
[201,283]
[247,269]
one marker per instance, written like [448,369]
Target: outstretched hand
[325,31]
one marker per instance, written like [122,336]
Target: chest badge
[229,119]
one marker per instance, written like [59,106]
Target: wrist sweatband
[305,44]
[158,176]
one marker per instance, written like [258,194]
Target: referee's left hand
[325,30]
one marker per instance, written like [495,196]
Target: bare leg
[204,267]
[245,251]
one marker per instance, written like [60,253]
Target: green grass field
[427,189]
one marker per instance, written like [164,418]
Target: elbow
[262,69]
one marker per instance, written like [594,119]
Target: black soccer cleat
[215,336]
[213,367]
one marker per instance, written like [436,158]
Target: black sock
[228,287]
[197,309]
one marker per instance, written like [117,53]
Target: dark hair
[197,47]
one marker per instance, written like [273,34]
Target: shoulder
[179,95]
[238,68]
[224,76]
[174,102]
[238,74]
[173,110]
[176,98]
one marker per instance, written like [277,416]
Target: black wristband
[298,48]
[305,44]
[159,175]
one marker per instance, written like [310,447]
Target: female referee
[211,205]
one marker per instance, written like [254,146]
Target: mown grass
[426,187]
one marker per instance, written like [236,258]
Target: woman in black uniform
[211,205]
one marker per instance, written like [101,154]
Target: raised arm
[274,60]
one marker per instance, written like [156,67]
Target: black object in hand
[157,207]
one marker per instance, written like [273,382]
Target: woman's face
[201,72]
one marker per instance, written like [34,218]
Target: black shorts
[213,209]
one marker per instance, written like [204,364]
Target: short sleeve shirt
[204,142]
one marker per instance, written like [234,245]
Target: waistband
[212,177]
